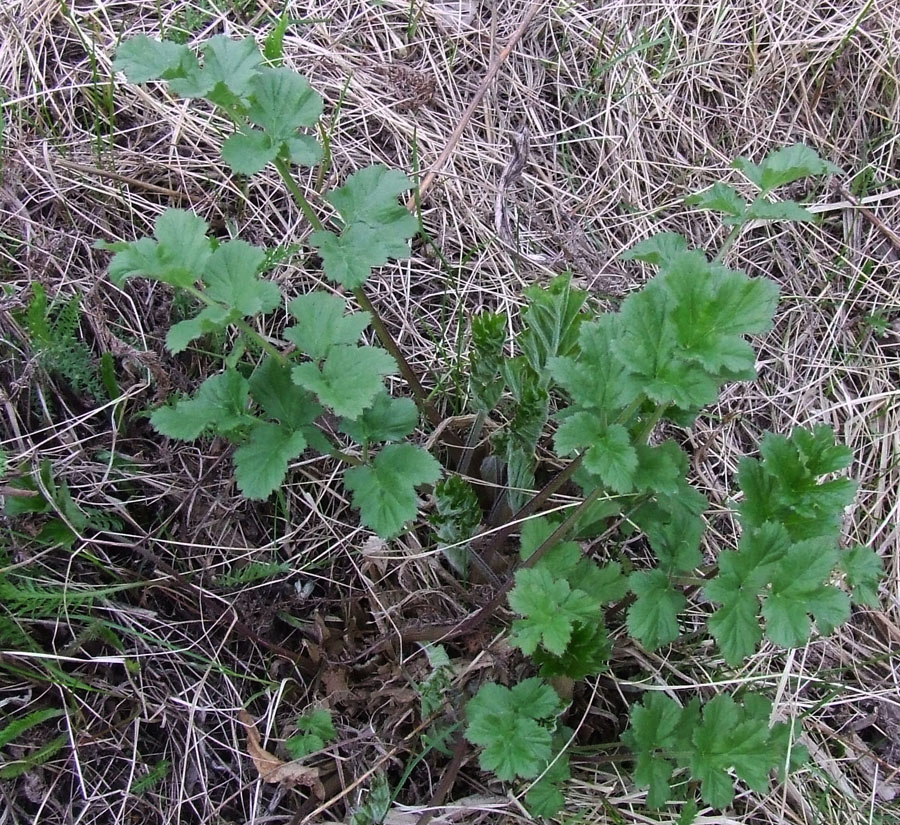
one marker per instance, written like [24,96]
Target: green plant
[53,334]
[605,382]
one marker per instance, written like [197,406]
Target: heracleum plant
[611,379]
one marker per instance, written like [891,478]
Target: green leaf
[586,654]
[674,536]
[143,59]
[220,402]
[248,152]
[231,275]
[323,325]
[865,571]
[303,150]
[653,618]
[735,627]
[764,210]
[349,258]
[177,256]
[550,609]
[713,308]
[784,487]
[377,228]
[283,102]
[261,464]
[594,377]
[742,576]
[551,322]
[209,320]
[660,469]
[388,419]
[457,518]
[370,196]
[785,166]
[349,378]
[229,66]
[486,359]
[730,737]
[719,198]
[647,347]
[654,728]
[384,492]
[280,398]
[319,723]
[798,589]
[514,741]
[610,453]
[657,249]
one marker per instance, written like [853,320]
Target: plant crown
[604,381]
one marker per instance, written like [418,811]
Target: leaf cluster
[724,735]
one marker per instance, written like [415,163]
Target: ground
[547,137]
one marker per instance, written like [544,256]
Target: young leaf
[220,402]
[248,152]
[551,322]
[261,464]
[653,618]
[550,609]
[323,325]
[610,453]
[657,249]
[785,166]
[208,320]
[177,256]
[143,59]
[283,102]
[315,730]
[388,419]
[231,275]
[798,589]
[486,359]
[280,398]
[349,378]
[586,654]
[457,519]
[864,571]
[719,198]
[384,492]
[508,727]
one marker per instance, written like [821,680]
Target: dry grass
[630,107]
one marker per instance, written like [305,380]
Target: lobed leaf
[261,464]
[349,378]
[384,491]
[322,324]
[653,618]
[220,402]
[785,166]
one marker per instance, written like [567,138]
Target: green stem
[728,243]
[384,336]
[409,375]
[482,615]
[296,193]
[652,420]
